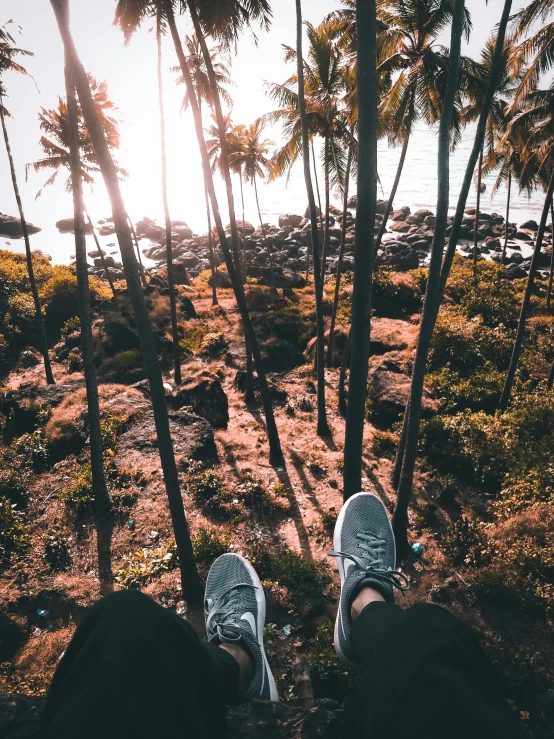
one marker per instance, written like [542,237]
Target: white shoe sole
[340,564]
[260,600]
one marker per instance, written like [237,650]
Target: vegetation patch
[12,534]
[142,567]
[208,545]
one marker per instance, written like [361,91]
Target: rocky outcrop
[67,226]
[206,397]
[11,226]
[280,355]
[21,407]
[388,394]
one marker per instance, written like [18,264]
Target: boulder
[206,397]
[390,334]
[222,280]
[353,201]
[21,407]
[515,271]
[119,338]
[401,214]
[288,219]
[106,230]
[28,358]
[523,236]
[141,226]
[192,436]
[340,338]
[11,226]
[530,225]
[388,393]
[281,278]
[67,225]
[400,227]
[180,274]
[181,229]
[280,355]
[380,207]
[154,232]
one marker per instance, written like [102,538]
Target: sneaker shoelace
[224,612]
[370,561]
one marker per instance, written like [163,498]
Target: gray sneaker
[234,608]
[366,557]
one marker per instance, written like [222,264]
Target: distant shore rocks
[11,226]
[67,226]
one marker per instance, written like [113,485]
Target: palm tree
[322,425]
[538,119]
[190,580]
[539,47]
[203,91]
[8,63]
[100,489]
[168,237]
[400,515]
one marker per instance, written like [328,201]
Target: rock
[180,274]
[390,334]
[106,230]
[318,212]
[11,226]
[523,236]
[67,225]
[530,225]
[280,355]
[380,207]
[353,201]
[206,397]
[482,187]
[192,438]
[73,340]
[430,221]
[288,219]
[21,407]
[119,338]
[141,226]
[515,272]
[181,229]
[423,213]
[401,214]
[400,227]
[222,280]
[28,358]
[281,278]
[154,232]
[339,342]
[388,393]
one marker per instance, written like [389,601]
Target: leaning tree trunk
[233,266]
[100,489]
[506,392]
[100,251]
[364,251]
[477,212]
[322,425]
[508,217]
[272,278]
[168,236]
[139,258]
[470,169]
[393,192]
[317,188]
[190,580]
[34,290]
[211,245]
[551,275]
[242,229]
[400,515]
[327,214]
[341,256]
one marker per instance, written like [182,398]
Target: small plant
[12,534]
[305,405]
[315,466]
[70,326]
[57,553]
[206,486]
[462,541]
[208,545]
[14,480]
[127,360]
[303,579]
[383,445]
[330,678]
[78,494]
[328,520]
[75,361]
[213,343]
[111,427]
[122,487]
[142,567]
[33,450]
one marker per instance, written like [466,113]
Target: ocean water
[418,189]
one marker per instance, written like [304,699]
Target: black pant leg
[424,676]
[136,670]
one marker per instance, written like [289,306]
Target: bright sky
[131,76]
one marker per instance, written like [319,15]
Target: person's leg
[423,673]
[134,669]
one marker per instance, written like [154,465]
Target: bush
[462,542]
[303,579]
[59,294]
[384,445]
[206,486]
[57,554]
[70,326]
[33,451]
[127,360]
[142,567]
[12,535]
[208,545]
[213,343]
[79,497]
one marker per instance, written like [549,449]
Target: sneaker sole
[336,545]
[260,599]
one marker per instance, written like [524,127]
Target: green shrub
[206,487]
[213,344]
[208,545]
[32,449]
[12,535]
[462,542]
[122,483]
[142,567]
[127,360]
[14,479]
[330,678]
[70,326]
[304,579]
[75,361]
[57,553]
[384,445]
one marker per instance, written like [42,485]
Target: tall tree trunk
[276,454]
[551,275]
[100,251]
[272,278]
[190,580]
[470,169]
[322,425]
[477,211]
[100,489]
[400,515]
[507,217]
[477,144]
[168,236]
[364,251]
[390,201]
[242,229]
[341,255]
[342,377]
[317,188]
[34,290]
[518,345]
[327,214]
[211,245]
[139,258]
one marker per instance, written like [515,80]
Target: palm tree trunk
[34,290]
[139,258]
[506,392]
[400,515]
[190,580]
[100,489]
[390,201]
[364,251]
[342,377]
[317,188]
[272,279]
[327,214]
[551,276]
[276,454]
[341,255]
[211,245]
[101,253]
[242,230]
[477,212]
[507,217]
[477,144]
[168,237]
[322,425]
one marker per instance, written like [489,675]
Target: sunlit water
[418,189]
